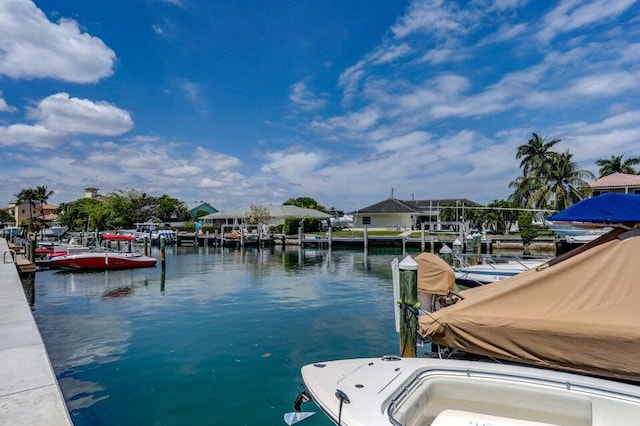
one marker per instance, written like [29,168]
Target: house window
[366,220]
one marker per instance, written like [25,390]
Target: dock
[29,390]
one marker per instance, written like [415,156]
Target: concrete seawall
[29,391]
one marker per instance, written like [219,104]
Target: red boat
[104,260]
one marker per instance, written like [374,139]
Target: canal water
[217,339]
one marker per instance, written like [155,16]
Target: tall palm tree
[535,154]
[564,185]
[27,196]
[616,165]
[42,194]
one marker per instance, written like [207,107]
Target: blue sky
[251,102]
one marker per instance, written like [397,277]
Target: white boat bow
[430,391]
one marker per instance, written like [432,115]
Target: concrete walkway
[29,391]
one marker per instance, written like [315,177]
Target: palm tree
[42,194]
[616,165]
[27,196]
[535,154]
[564,185]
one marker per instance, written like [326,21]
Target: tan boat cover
[581,314]
[435,276]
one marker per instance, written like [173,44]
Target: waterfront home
[397,215]
[277,215]
[616,182]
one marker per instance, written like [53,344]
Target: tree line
[116,210]
[550,180]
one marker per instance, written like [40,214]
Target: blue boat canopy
[608,208]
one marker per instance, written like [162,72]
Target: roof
[393,205]
[390,205]
[579,313]
[273,210]
[192,206]
[616,180]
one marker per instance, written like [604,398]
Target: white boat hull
[426,391]
[472,276]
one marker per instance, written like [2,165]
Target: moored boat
[484,273]
[104,259]
[565,337]
[430,391]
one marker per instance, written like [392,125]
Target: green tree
[501,214]
[169,208]
[85,213]
[564,185]
[128,207]
[28,196]
[6,217]
[535,154]
[258,214]
[528,231]
[42,194]
[616,165]
[304,202]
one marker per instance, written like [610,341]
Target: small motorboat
[485,273]
[104,259]
[431,391]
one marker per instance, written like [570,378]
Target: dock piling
[408,307]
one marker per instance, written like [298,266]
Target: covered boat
[104,259]
[578,312]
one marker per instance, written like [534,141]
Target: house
[200,206]
[394,214]
[277,215]
[616,182]
[23,212]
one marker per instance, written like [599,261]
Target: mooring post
[163,259]
[422,240]
[329,236]
[445,254]
[408,307]
[32,248]
[146,246]
[366,237]
[300,235]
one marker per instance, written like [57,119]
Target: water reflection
[206,327]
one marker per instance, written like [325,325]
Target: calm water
[219,340]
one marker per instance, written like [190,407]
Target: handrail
[13,256]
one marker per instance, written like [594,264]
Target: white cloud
[302,97]
[63,114]
[58,117]
[36,136]
[570,15]
[4,107]
[34,47]
[174,2]
[217,161]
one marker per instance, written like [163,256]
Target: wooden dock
[22,262]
